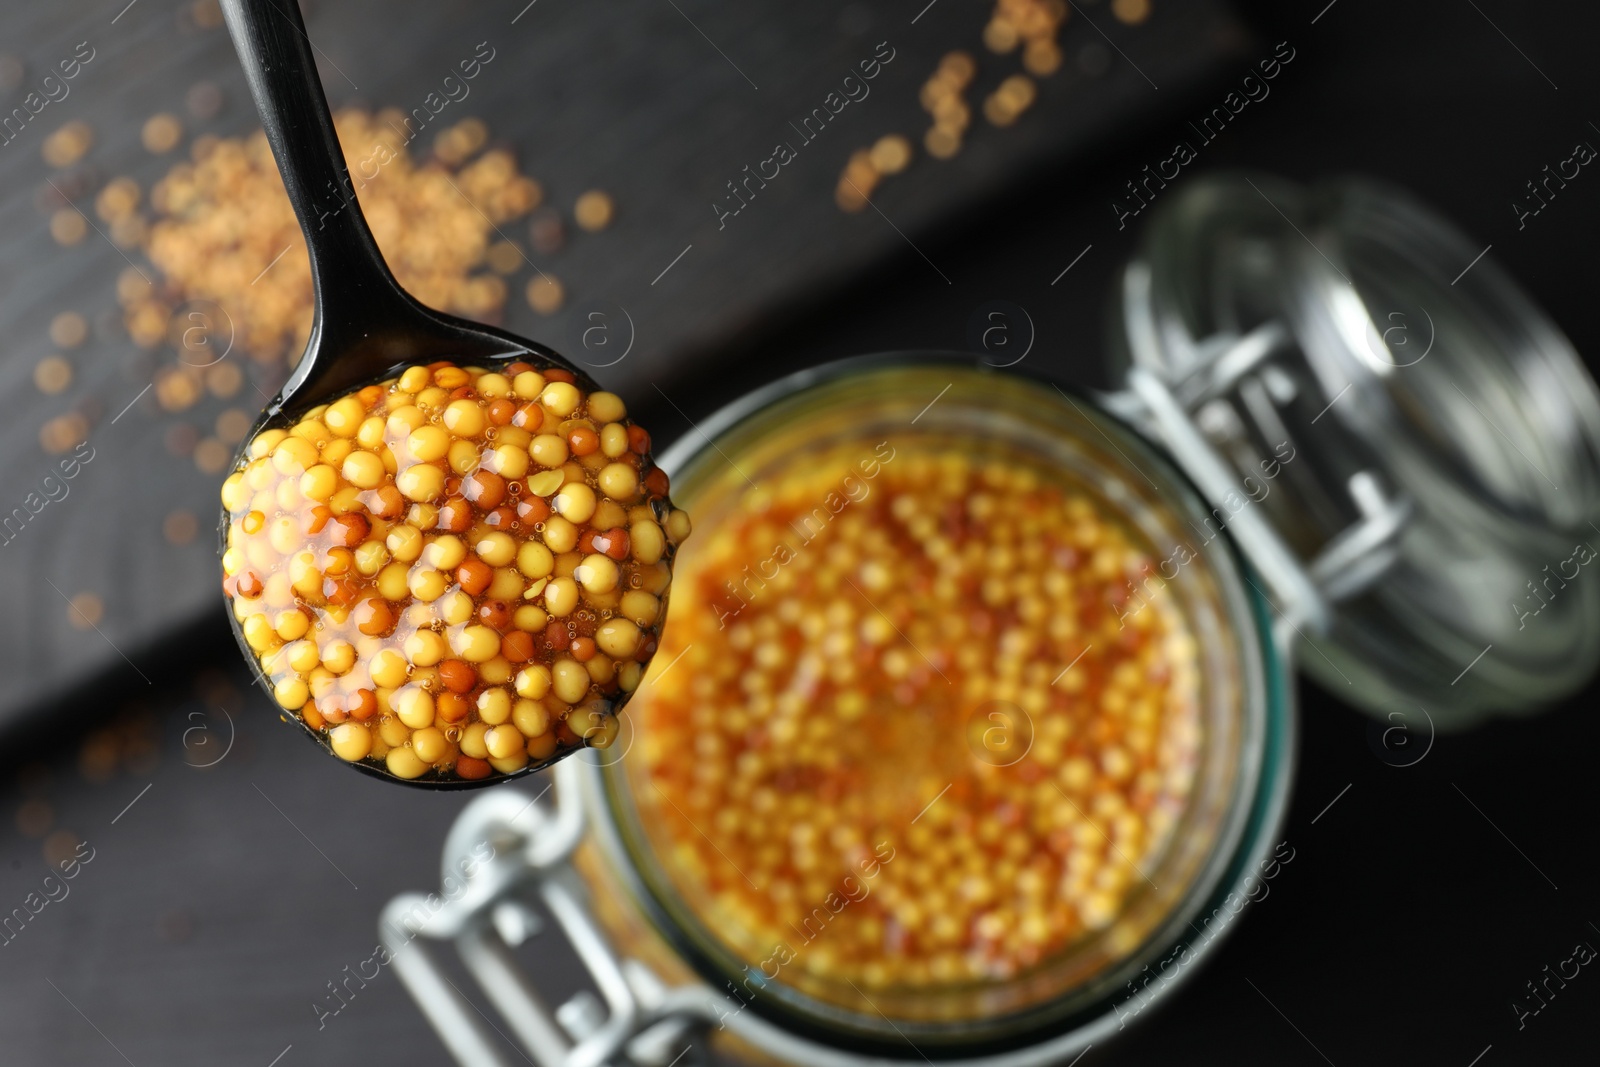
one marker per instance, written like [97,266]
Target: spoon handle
[355,292]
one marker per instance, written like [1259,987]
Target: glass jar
[1328,502]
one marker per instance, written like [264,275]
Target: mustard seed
[396,558]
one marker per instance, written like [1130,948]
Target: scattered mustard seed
[66,146]
[161,133]
[117,200]
[220,228]
[456,144]
[594,210]
[480,297]
[941,142]
[1042,57]
[941,97]
[1024,22]
[68,227]
[1015,95]
[177,388]
[147,322]
[1131,12]
[52,375]
[132,285]
[224,379]
[63,433]
[504,257]
[891,154]
[212,456]
[85,611]
[1000,36]
[129,232]
[546,294]
[68,329]
[855,187]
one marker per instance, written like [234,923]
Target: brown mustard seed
[405,627]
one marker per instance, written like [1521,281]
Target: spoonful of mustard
[445,548]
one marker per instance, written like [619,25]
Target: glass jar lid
[1407,448]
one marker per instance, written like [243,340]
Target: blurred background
[153,293]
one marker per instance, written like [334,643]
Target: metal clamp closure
[505,852]
[1240,369]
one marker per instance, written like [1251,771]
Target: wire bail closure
[1444,436]
[504,852]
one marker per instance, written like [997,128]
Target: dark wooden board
[659,103]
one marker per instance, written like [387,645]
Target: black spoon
[366,328]
[365,325]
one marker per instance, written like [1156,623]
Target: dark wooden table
[1420,902]
[635,100]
